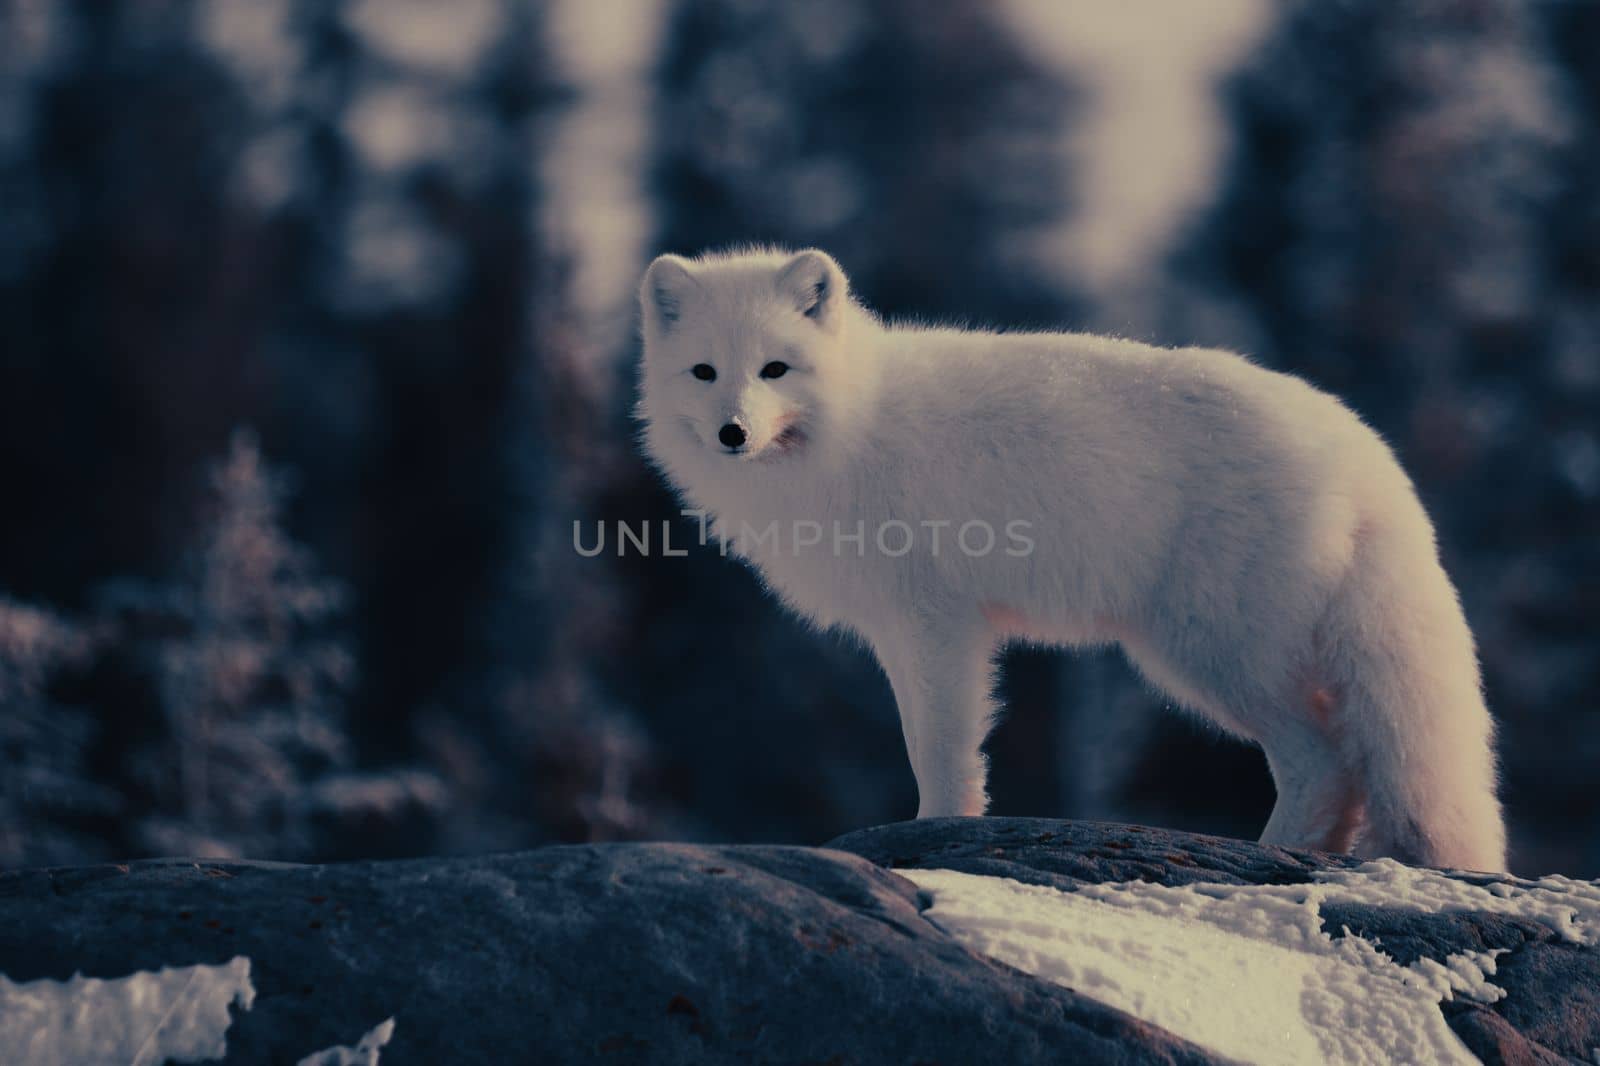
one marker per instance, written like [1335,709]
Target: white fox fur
[1254,548]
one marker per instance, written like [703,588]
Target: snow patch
[1569,908]
[177,1013]
[1246,970]
[365,1053]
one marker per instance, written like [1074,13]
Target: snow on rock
[1247,970]
[176,1013]
[1570,908]
[365,1053]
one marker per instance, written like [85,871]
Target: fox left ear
[816,285]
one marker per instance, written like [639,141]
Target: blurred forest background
[316,338]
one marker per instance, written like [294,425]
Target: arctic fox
[1254,548]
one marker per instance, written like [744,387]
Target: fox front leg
[941,681]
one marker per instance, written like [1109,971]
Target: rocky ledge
[667,953]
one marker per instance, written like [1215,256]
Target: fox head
[740,352]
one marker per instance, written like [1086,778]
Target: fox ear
[816,285]
[661,295]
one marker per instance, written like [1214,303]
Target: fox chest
[829,580]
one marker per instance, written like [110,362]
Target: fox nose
[732,435]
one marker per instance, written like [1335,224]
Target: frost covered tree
[252,688]
[250,691]
[49,802]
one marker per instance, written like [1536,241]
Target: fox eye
[774,369]
[704,371]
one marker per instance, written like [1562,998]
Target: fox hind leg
[1320,804]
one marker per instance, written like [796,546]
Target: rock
[1062,854]
[659,953]
[1551,1010]
[666,953]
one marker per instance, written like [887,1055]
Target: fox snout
[743,437]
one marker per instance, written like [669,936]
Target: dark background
[315,340]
